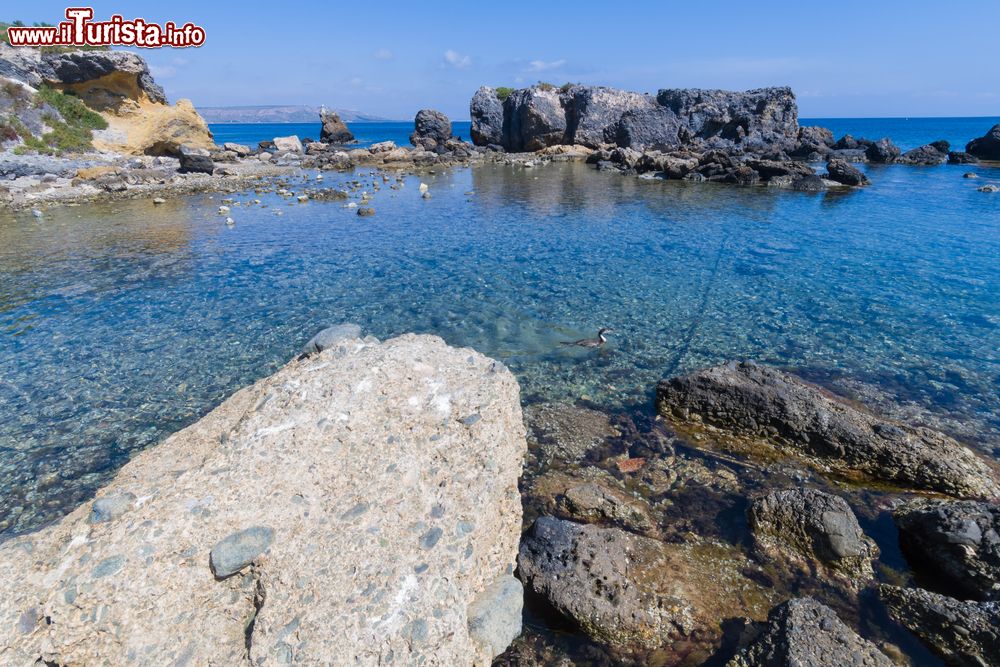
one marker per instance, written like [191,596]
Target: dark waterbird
[591,342]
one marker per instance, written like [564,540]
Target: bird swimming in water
[591,342]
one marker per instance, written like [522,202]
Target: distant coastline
[279,113]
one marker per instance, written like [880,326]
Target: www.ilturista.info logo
[79,30]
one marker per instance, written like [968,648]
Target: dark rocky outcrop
[986,147]
[961,157]
[765,119]
[759,120]
[964,634]
[814,143]
[334,130]
[486,112]
[634,593]
[430,129]
[842,172]
[882,151]
[195,160]
[804,633]
[648,127]
[533,118]
[928,154]
[593,114]
[815,526]
[954,544]
[87,67]
[760,409]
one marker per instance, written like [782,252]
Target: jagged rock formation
[986,147]
[430,129]
[534,118]
[635,593]
[804,633]
[810,525]
[360,504]
[118,85]
[334,131]
[954,544]
[964,634]
[763,408]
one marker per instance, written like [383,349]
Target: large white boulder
[364,499]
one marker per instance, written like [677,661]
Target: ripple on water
[123,322]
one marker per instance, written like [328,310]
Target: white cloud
[457,60]
[541,65]
[383,54]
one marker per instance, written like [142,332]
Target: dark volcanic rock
[846,142]
[762,407]
[986,147]
[761,119]
[533,119]
[961,157]
[334,131]
[955,544]
[882,151]
[964,634]
[842,172]
[195,160]
[809,184]
[815,526]
[83,66]
[804,633]
[648,128]
[593,114]
[486,112]
[929,154]
[813,140]
[636,593]
[769,169]
[430,129]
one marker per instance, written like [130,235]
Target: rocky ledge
[358,506]
[755,408]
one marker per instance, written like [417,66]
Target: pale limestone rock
[388,474]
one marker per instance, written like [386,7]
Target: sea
[123,322]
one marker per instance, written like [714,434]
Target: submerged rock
[804,633]
[954,544]
[842,172]
[986,147]
[812,525]
[762,408]
[564,432]
[634,593]
[393,519]
[961,157]
[964,634]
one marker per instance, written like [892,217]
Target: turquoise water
[906,132]
[366,133]
[123,322]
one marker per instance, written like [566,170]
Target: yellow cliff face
[138,125]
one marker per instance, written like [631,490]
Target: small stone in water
[366,211]
[235,552]
[111,507]
[426,195]
[159,200]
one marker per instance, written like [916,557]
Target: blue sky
[872,58]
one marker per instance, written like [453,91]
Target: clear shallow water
[366,133]
[120,323]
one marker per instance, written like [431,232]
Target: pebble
[111,507]
[37,213]
[366,211]
[423,188]
[990,188]
[235,552]
[159,200]
[426,195]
